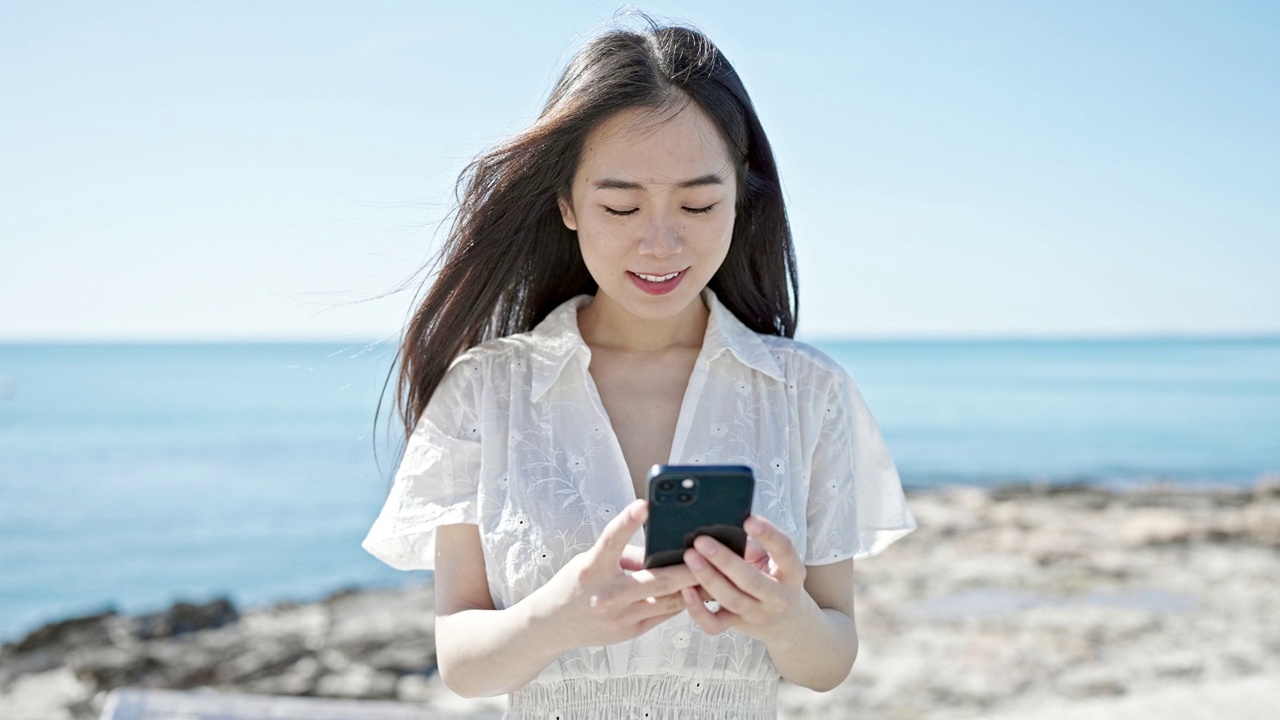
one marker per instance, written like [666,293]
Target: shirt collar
[557,339]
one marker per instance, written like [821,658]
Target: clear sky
[245,170]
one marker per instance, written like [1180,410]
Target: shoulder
[800,360]
[497,351]
[479,374]
[555,336]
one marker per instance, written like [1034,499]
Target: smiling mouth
[658,278]
[653,284]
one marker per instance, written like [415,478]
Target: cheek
[600,240]
[715,241]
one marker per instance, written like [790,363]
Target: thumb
[613,541]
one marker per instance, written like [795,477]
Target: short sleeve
[856,506]
[436,481]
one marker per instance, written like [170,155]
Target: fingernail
[753,525]
[705,545]
[694,560]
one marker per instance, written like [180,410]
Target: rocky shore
[1018,601]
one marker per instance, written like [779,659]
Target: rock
[1262,523]
[260,660]
[405,656]
[357,681]
[1267,486]
[1185,664]
[112,667]
[1092,682]
[1155,526]
[298,679]
[78,631]
[184,617]
[414,688]
[46,695]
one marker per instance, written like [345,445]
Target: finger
[778,545]
[755,554]
[724,591]
[711,623]
[747,578]
[658,581]
[632,558]
[666,605]
[648,624]
[613,540]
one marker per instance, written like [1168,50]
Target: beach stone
[73,632]
[357,681]
[185,617]
[263,659]
[1155,526]
[112,666]
[49,695]
[298,679]
[941,515]
[1053,544]
[404,656]
[1087,681]
[414,688]
[333,660]
[1185,664]
[310,622]
[1262,522]
[1267,486]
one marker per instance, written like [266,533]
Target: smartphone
[686,501]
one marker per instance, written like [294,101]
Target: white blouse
[516,440]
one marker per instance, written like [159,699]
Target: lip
[661,288]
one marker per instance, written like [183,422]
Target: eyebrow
[615,184]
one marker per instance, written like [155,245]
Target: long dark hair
[508,259]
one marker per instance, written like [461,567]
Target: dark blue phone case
[720,502]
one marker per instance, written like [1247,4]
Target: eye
[619,213]
[701,211]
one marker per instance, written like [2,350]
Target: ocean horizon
[136,474]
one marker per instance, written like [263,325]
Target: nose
[662,236]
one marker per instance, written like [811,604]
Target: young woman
[618,290]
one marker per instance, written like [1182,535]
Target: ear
[566,214]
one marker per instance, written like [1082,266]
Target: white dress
[516,441]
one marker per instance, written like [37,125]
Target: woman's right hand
[605,595]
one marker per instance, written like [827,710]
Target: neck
[603,323]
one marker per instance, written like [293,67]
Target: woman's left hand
[759,594]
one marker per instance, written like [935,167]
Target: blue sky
[243,170]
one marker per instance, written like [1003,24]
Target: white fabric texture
[516,440]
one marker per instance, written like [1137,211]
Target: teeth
[657,278]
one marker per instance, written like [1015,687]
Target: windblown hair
[508,259]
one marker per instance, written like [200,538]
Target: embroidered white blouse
[516,440]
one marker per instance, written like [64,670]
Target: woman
[618,291]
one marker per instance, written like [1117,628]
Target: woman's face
[653,206]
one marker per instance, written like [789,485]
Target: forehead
[654,147]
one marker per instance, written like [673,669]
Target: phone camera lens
[666,486]
[684,497]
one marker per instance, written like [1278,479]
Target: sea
[136,475]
